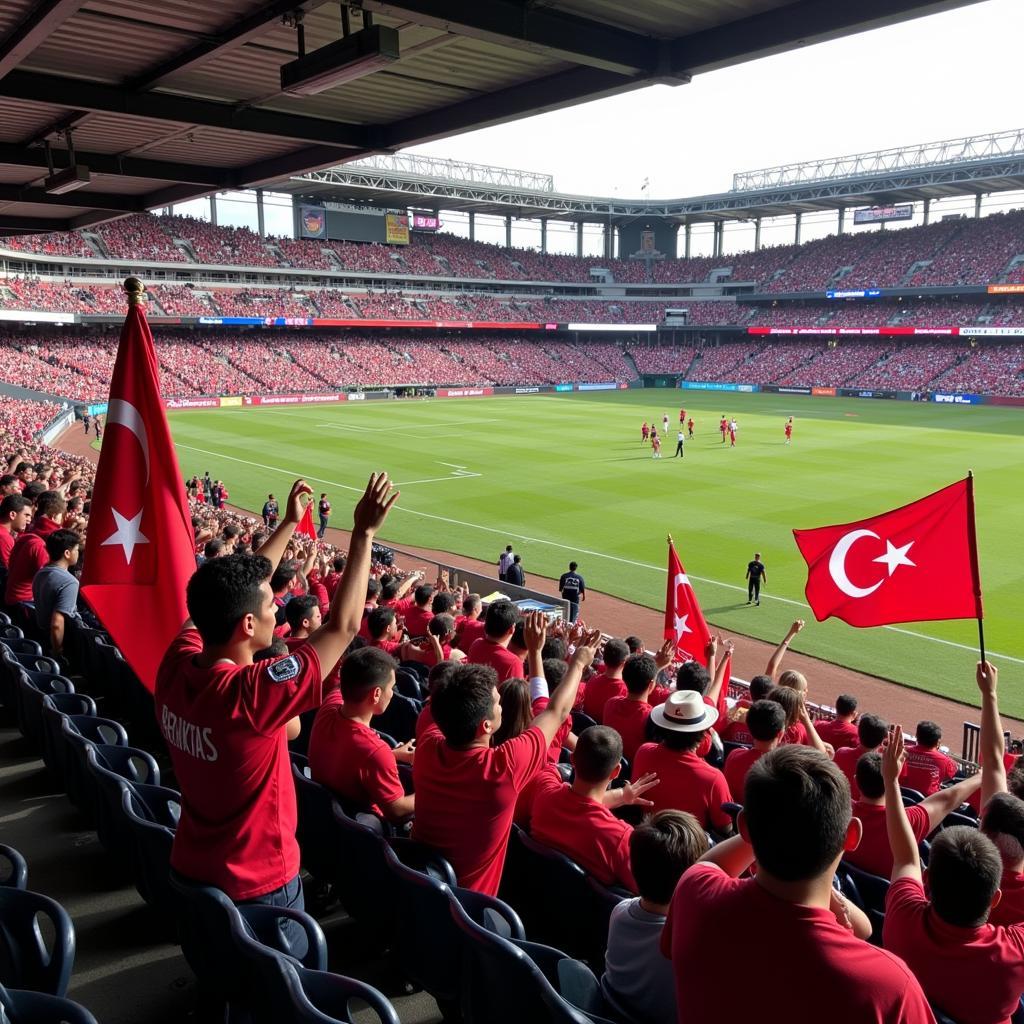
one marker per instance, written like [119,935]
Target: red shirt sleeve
[720,794]
[918,818]
[524,756]
[621,865]
[379,775]
[274,691]
[905,907]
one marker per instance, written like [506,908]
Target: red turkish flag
[141,550]
[914,564]
[684,622]
[306,522]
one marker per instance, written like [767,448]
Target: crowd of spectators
[909,367]
[274,302]
[57,243]
[139,237]
[218,245]
[723,362]
[834,364]
[662,358]
[180,300]
[986,369]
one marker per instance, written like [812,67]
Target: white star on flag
[894,556]
[682,627]
[127,534]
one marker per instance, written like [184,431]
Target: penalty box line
[579,550]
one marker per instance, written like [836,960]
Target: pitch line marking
[582,551]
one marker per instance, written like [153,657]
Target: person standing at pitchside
[756,574]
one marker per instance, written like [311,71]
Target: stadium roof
[172,101]
[934,170]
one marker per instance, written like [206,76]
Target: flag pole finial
[135,290]
[670,538]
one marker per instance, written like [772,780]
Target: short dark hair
[673,739]
[462,701]
[573,567]
[443,602]
[13,503]
[378,620]
[635,644]
[872,731]
[224,590]
[615,653]
[388,590]
[554,647]
[423,593]
[639,672]
[213,547]
[372,587]
[661,849]
[469,603]
[441,625]
[760,687]
[283,576]
[516,559]
[766,719]
[51,503]
[339,562]
[299,608]
[928,734]
[597,754]
[868,773]
[796,803]
[7,479]
[519,635]
[33,490]
[846,704]
[439,673]
[1003,822]
[789,700]
[554,671]
[364,670]
[964,872]
[501,617]
[692,675]
[60,541]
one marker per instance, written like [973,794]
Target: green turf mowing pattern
[562,476]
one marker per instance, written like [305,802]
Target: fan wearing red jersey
[971,969]
[927,766]
[766,722]
[223,715]
[797,820]
[840,731]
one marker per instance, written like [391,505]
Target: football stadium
[434,592]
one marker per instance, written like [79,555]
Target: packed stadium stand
[965,251]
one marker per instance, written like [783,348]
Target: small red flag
[141,550]
[306,522]
[685,623]
[915,564]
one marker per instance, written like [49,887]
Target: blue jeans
[574,610]
[290,896]
[323,527]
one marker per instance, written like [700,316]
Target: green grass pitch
[563,476]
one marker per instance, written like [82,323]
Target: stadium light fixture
[350,58]
[66,180]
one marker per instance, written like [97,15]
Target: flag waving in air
[141,550]
[306,522]
[684,622]
[914,564]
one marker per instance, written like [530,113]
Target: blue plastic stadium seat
[13,869]
[22,1007]
[30,690]
[151,816]
[55,707]
[78,732]
[113,769]
[25,959]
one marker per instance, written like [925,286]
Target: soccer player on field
[656,446]
[682,416]
[723,426]
[690,426]
[789,430]
[645,432]
[664,424]
[733,426]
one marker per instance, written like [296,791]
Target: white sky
[943,77]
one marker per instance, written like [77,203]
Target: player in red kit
[690,426]
[655,446]
[645,432]
[732,433]
[723,426]
[682,416]
[789,430]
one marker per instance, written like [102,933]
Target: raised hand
[987,676]
[632,792]
[374,505]
[587,649]
[796,627]
[666,654]
[295,506]
[535,630]
[894,756]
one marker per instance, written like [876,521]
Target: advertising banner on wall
[396,229]
[313,221]
[709,385]
[463,392]
[947,398]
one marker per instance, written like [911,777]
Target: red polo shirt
[417,619]
[737,732]
[486,651]
[737,764]
[6,543]
[685,783]
[467,631]
[843,979]
[583,830]
[350,759]
[975,975]
[424,721]
[926,770]
[224,728]
[600,690]
[28,555]
[846,761]
[839,734]
[629,719]
[465,800]
[874,855]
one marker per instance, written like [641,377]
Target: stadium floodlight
[67,179]
[350,58]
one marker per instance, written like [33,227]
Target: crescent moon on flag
[125,414]
[837,564]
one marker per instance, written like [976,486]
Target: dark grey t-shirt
[54,590]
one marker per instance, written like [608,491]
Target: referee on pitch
[755,574]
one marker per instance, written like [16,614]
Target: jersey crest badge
[283,670]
